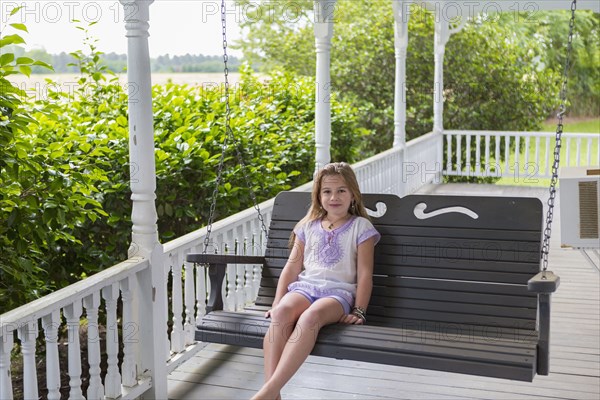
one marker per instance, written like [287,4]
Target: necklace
[332,224]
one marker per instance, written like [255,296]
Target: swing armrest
[199,258]
[544,282]
[217,265]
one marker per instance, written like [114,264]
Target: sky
[177,27]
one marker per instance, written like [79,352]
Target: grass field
[586,125]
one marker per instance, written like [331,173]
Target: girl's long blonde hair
[316,210]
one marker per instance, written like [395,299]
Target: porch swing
[457,288]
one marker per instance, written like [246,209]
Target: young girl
[327,278]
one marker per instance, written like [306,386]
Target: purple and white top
[330,257]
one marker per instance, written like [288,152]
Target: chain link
[558,144]
[228,136]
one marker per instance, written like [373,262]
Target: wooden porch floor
[229,372]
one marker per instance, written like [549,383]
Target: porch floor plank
[230,372]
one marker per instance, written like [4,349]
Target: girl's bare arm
[364,265]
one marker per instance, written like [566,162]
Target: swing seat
[456,287]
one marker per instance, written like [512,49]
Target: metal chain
[228,135]
[558,144]
[248,183]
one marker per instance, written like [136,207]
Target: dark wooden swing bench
[452,291]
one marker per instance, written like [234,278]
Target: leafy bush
[44,198]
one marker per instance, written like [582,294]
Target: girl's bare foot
[264,394]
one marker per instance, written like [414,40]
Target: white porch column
[149,304]
[324,17]
[443,31]
[401,15]
[441,36]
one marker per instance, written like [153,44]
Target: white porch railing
[525,156]
[117,291]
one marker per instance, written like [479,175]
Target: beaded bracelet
[360,313]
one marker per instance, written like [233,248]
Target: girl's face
[335,196]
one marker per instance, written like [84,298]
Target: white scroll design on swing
[380,210]
[420,213]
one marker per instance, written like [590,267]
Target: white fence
[116,292]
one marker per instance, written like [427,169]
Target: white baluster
[248,281]
[527,140]
[208,284]
[263,241]
[200,293]
[226,289]
[498,160]
[568,161]
[112,381]
[177,338]
[231,276]
[92,304]
[478,155]
[589,151]
[189,324]
[27,335]
[518,157]
[537,155]
[50,324]
[468,154]
[262,247]
[256,272]
[230,299]
[73,315]
[166,272]
[578,152]
[487,156]
[6,346]
[507,155]
[239,280]
[448,153]
[129,366]
[459,154]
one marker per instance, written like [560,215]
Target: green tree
[497,72]
[551,29]
[278,34]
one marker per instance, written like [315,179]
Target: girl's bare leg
[283,320]
[300,343]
